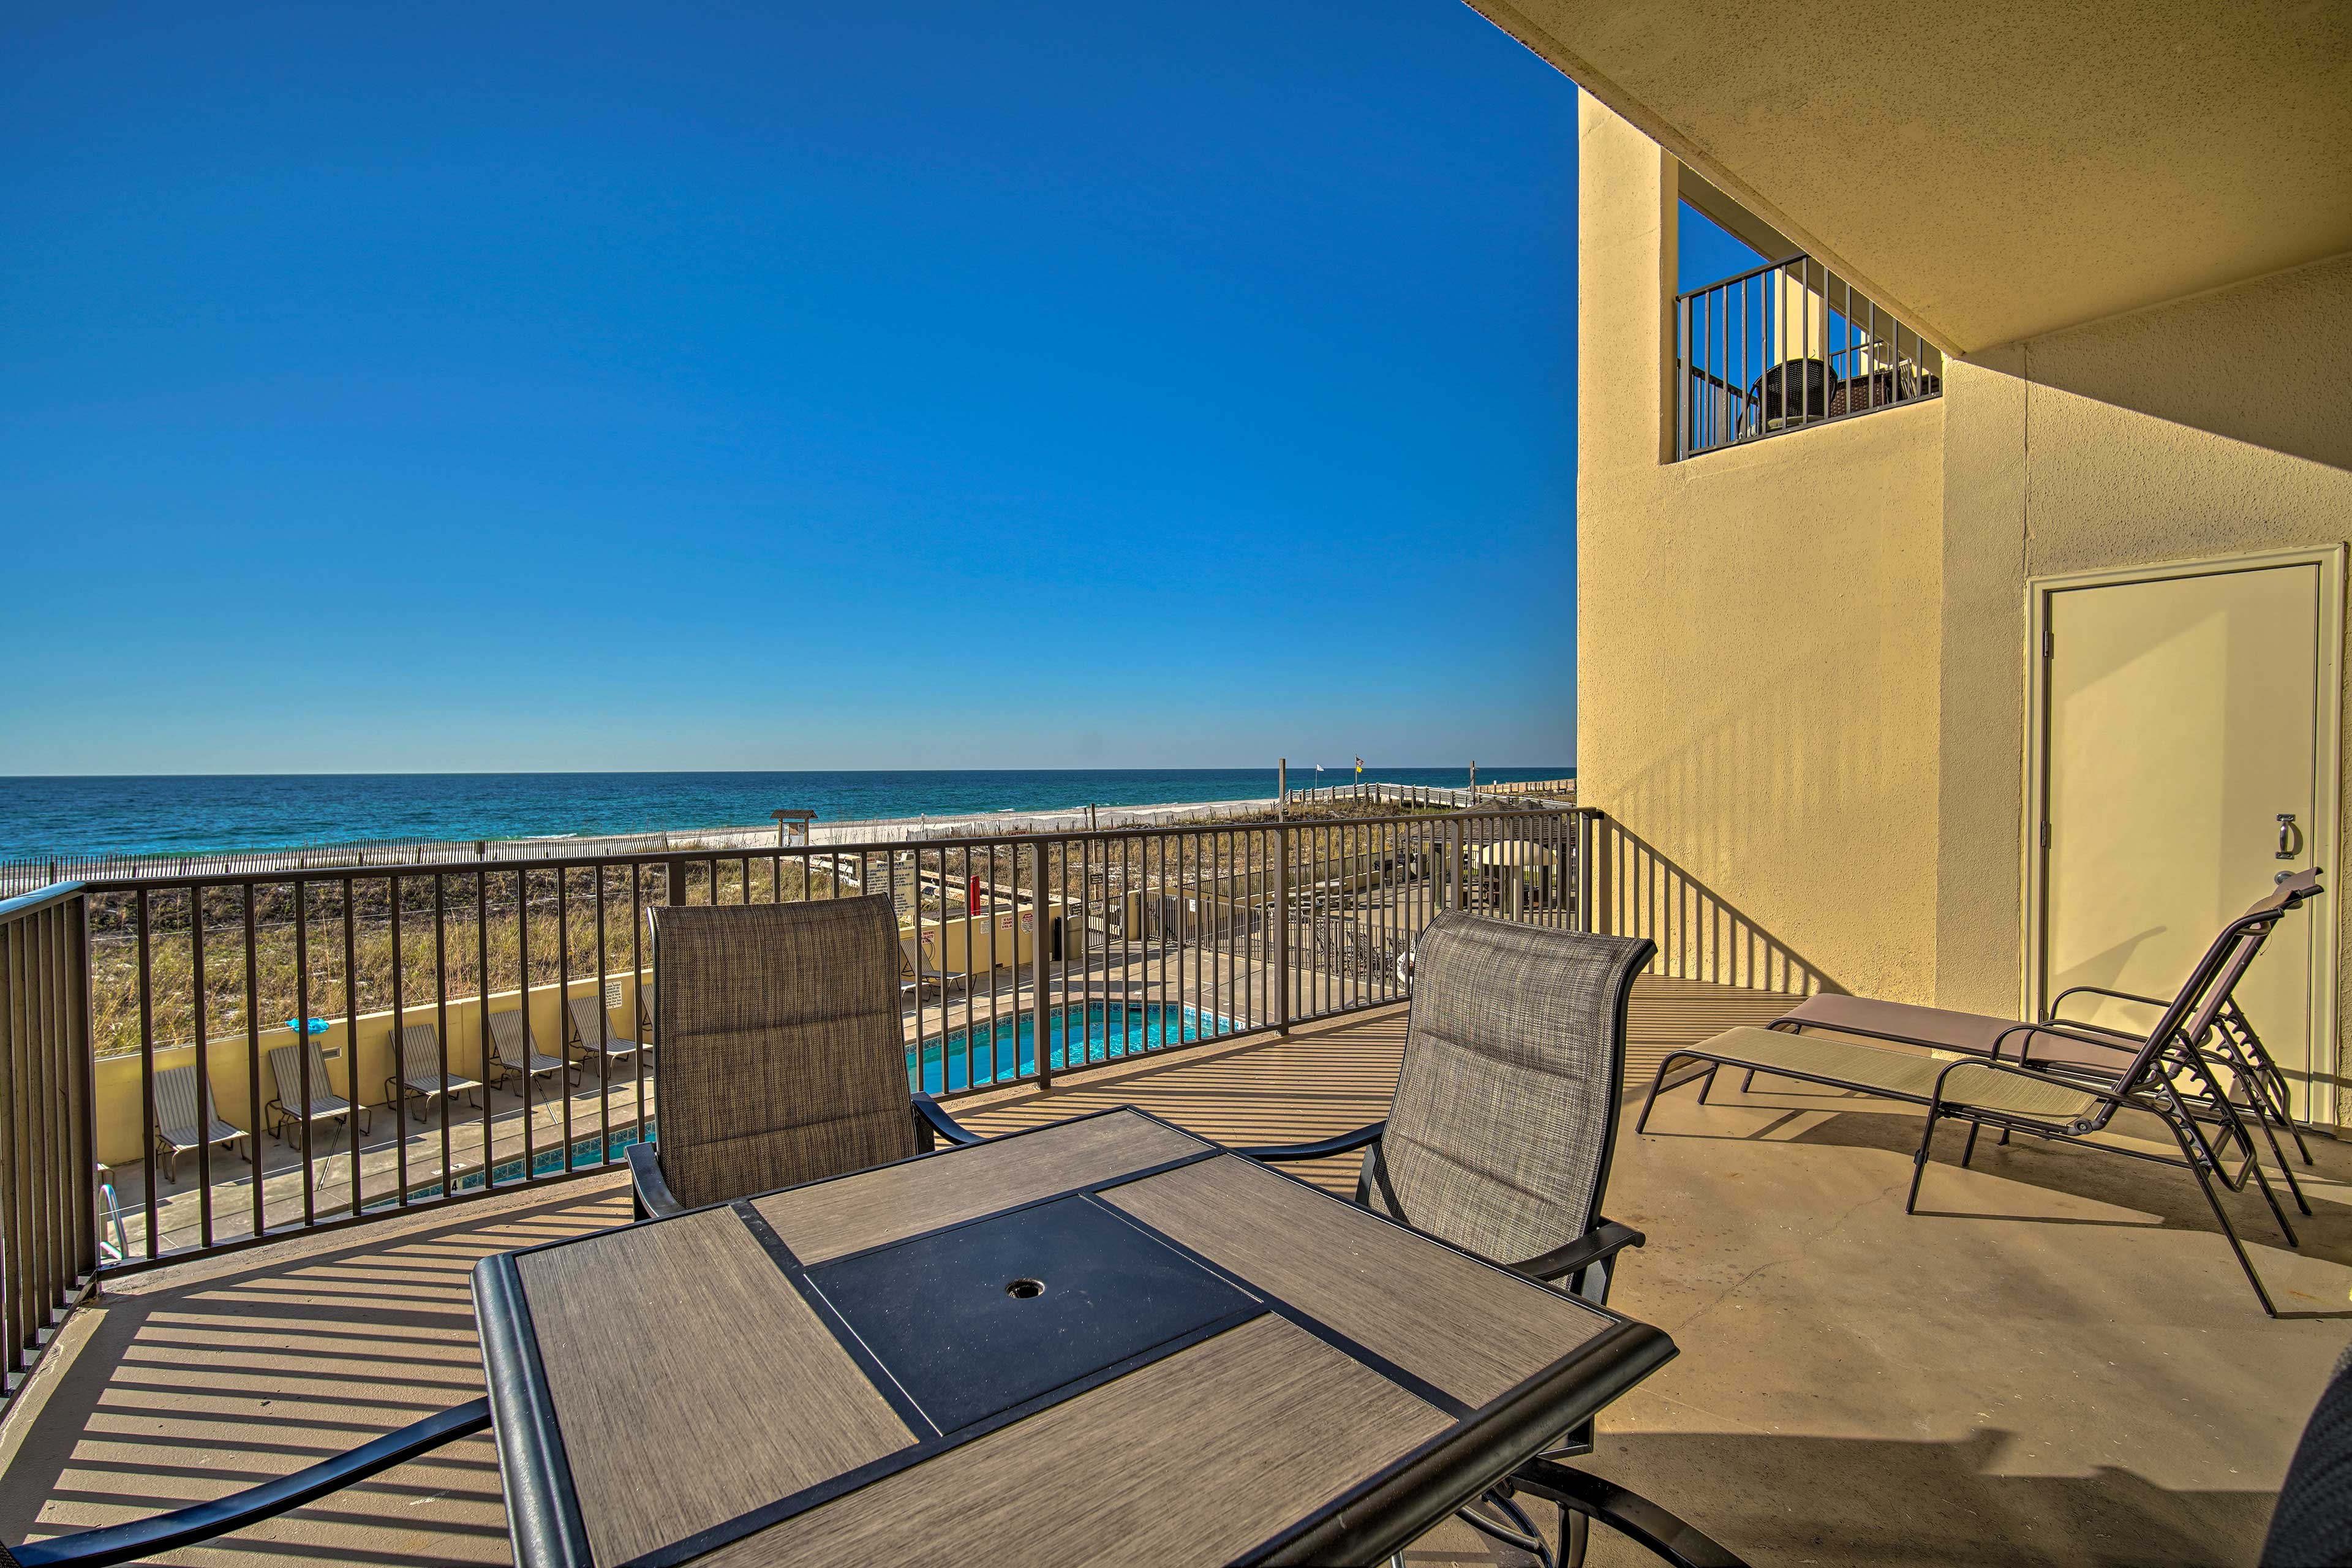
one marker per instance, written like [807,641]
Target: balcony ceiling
[1999,170]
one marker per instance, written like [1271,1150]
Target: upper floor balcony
[1786,346]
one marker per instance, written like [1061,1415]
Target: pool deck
[2053,1362]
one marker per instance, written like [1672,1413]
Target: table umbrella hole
[1023,1290]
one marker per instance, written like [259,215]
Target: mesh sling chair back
[2168,1074]
[782,1059]
[180,1126]
[1499,1141]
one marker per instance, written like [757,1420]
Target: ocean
[191,814]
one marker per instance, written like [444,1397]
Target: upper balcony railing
[1786,346]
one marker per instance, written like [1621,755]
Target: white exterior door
[2184,730]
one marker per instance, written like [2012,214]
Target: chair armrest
[653,1196]
[931,1116]
[2049,1013]
[1277,1153]
[2058,1028]
[202,1521]
[1603,1241]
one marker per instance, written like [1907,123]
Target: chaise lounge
[2169,1076]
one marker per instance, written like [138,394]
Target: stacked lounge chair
[2059,1079]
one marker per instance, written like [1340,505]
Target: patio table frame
[1357,1382]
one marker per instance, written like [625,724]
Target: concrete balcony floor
[2055,1361]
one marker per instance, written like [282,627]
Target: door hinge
[2049,643]
[2045,835]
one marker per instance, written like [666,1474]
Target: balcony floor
[2058,1363]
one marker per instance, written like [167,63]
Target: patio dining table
[1101,1341]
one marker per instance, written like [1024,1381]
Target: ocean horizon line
[63,817]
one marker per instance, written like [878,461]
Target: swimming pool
[544,1162]
[980,1055]
[1109,1031]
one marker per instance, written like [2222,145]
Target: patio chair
[1499,1141]
[290,1109]
[420,1076]
[515,1050]
[926,975]
[2312,1522]
[782,1059]
[2168,1076]
[582,1022]
[180,1128]
[159,1533]
[2101,1049]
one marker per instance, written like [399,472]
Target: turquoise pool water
[544,1162]
[1099,1032]
[1103,1032]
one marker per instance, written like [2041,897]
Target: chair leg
[1919,1162]
[1632,1515]
[1747,1081]
[2188,1151]
[1968,1148]
[1643,1121]
[1710,1083]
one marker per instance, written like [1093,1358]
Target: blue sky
[484,387]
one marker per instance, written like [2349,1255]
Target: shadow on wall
[1701,935]
[2258,363]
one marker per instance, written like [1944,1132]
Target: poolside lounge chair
[781,1059]
[926,976]
[179,1127]
[289,1109]
[582,1020]
[420,1077]
[1500,1136]
[2169,1076]
[516,1051]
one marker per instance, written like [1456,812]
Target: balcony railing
[1039,953]
[1786,346]
[49,1214]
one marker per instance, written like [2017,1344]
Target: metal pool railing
[1174,935]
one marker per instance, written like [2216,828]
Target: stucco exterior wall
[1759,638]
[2212,426]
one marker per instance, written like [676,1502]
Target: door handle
[2290,836]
